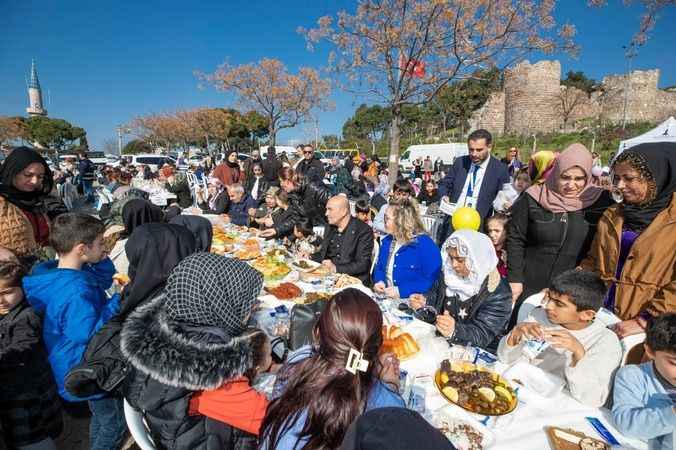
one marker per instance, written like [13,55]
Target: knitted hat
[212,290]
[16,232]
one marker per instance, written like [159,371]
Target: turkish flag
[412,67]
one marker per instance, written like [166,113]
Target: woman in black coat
[553,224]
[472,302]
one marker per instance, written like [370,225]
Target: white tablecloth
[522,429]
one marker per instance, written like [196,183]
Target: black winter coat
[30,409]
[480,320]
[309,200]
[312,170]
[271,168]
[169,362]
[220,206]
[542,244]
[283,221]
[182,191]
[356,252]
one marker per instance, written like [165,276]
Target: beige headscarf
[546,194]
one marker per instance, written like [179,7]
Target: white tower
[35,95]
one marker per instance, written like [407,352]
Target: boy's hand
[379,287]
[525,330]
[564,340]
[417,301]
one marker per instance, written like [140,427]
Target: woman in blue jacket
[409,261]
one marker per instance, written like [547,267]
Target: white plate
[454,415]
[534,379]
[313,265]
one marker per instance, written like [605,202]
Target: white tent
[664,132]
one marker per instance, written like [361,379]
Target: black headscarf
[393,429]
[656,162]
[227,161]
[153,250]
[17,161]
[137,212]
[200,228]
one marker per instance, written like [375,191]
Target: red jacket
[228,175]
[235,403]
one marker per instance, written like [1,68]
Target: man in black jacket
[348,242]
[271,165]
[310,167]
[87,173]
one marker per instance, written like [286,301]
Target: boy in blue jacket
[644,403]
[70,294]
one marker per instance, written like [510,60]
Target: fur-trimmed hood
[172,354]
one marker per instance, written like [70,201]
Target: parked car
[149,159]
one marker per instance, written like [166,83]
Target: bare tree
[269,89]
[568,101]
[402,52]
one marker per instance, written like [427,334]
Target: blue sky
[105,61]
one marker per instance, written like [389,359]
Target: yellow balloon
[466,218]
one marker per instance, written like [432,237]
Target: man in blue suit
[474,180]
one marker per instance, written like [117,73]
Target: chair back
[137,427]
[528,305]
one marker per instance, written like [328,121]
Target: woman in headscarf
[25,183]
[191,338]
[215,200]
[472,301]
[634,250]
[200,228]
[553,224]
[135,213]
[540,166]
[228,171]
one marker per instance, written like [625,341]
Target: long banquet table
[522,429]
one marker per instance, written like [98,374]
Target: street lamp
[120,130]
[630,52]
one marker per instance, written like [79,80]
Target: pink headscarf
[546,194]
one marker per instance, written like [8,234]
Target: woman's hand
[417,301]
[445,324]
[268,222]
[379,287]
[268,233]
[628,328]
[389,372]
[517,290]
[392,291]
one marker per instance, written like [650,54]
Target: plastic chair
[528,305]
[137,427]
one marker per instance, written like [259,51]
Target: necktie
[472,184]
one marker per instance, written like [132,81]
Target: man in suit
[474,180]
[348,242]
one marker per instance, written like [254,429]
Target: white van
[149,159]
[447,153]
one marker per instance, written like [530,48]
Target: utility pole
[629,53]
[119,140]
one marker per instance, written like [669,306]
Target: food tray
[496,380]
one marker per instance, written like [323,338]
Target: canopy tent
[664,132]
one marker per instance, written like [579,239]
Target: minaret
[35,95]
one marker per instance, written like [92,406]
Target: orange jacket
[235,403]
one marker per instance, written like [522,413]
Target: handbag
[303,320]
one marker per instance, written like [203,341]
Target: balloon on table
[466,218]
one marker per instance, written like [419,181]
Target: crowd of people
[178,341]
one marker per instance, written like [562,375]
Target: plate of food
[284,291]
[312,297]
[270,267]
[464,433]
[344,280]
[305,265]
[278,252]
[474,388]
[396,341]
[317,273]
[221,249]
[247,252]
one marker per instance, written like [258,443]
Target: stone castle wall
[534,101]
[531,91]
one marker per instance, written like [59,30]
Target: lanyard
[472,182]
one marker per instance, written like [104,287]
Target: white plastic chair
[528,305]
[137,427]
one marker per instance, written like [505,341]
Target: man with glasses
[310,167]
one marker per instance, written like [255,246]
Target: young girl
[510,192]
[236,402]
[496,229]
[30,411]
[306,242]
[363,211]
